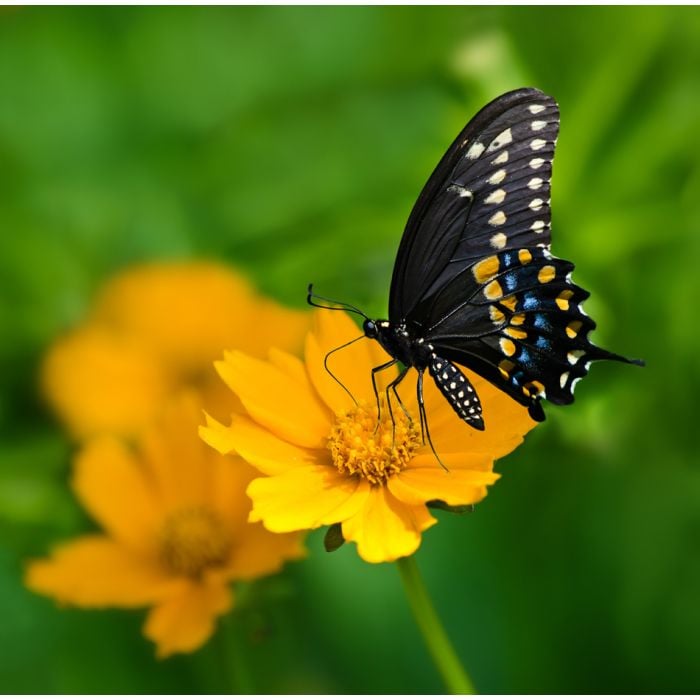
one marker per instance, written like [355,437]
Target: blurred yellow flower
[174,514]
[322,461]
[153,330]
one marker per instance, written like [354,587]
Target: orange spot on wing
[507,346]
[524,255]
[493,290]
[486,269]
[496,315]
[510,302]
[546,274]
[563,299]
[515,333]
[573,328]
[533,388]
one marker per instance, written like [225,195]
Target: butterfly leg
[393,387]
[421,407]
[424,419]
[375,370]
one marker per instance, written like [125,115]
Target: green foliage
[292,143]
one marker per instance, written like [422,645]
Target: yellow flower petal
[147,336]
[352,365]
[231,476]
[255,551]
[258,446]
[292,366]
[217,436]
[261,552]
[186,311]
[505,419]
[185,621]
[175,457]
[287,407]
[274,326]
[112,486]
[217,399]
[454,461]
[304,489]
[95,571]
[456,488]
[98,381]
[386,529]
[304,498]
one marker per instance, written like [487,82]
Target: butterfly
[474,282]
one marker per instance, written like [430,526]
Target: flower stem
[235,656]
[444,656]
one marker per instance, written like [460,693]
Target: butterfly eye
[370,328]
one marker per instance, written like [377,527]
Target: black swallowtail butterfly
[474,281]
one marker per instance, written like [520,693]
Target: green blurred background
[292,142]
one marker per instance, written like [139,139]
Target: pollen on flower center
[359,447]
[193,540]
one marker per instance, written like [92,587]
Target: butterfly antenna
[327,368]
[337,305]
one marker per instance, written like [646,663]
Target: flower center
[192,540]
[375,452]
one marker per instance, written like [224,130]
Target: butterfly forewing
[490,192]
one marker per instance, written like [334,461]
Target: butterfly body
[411,350]
[475,283]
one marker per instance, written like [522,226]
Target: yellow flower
[324,461]
[153,330]
[174,515]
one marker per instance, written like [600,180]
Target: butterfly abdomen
[458,390]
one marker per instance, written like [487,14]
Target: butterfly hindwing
[520,325]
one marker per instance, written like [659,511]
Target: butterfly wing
[474,277]
[521,326]
[479,198]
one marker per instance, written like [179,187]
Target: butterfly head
[370,329]
[382,331]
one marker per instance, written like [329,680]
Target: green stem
[235,655]
[444,656]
